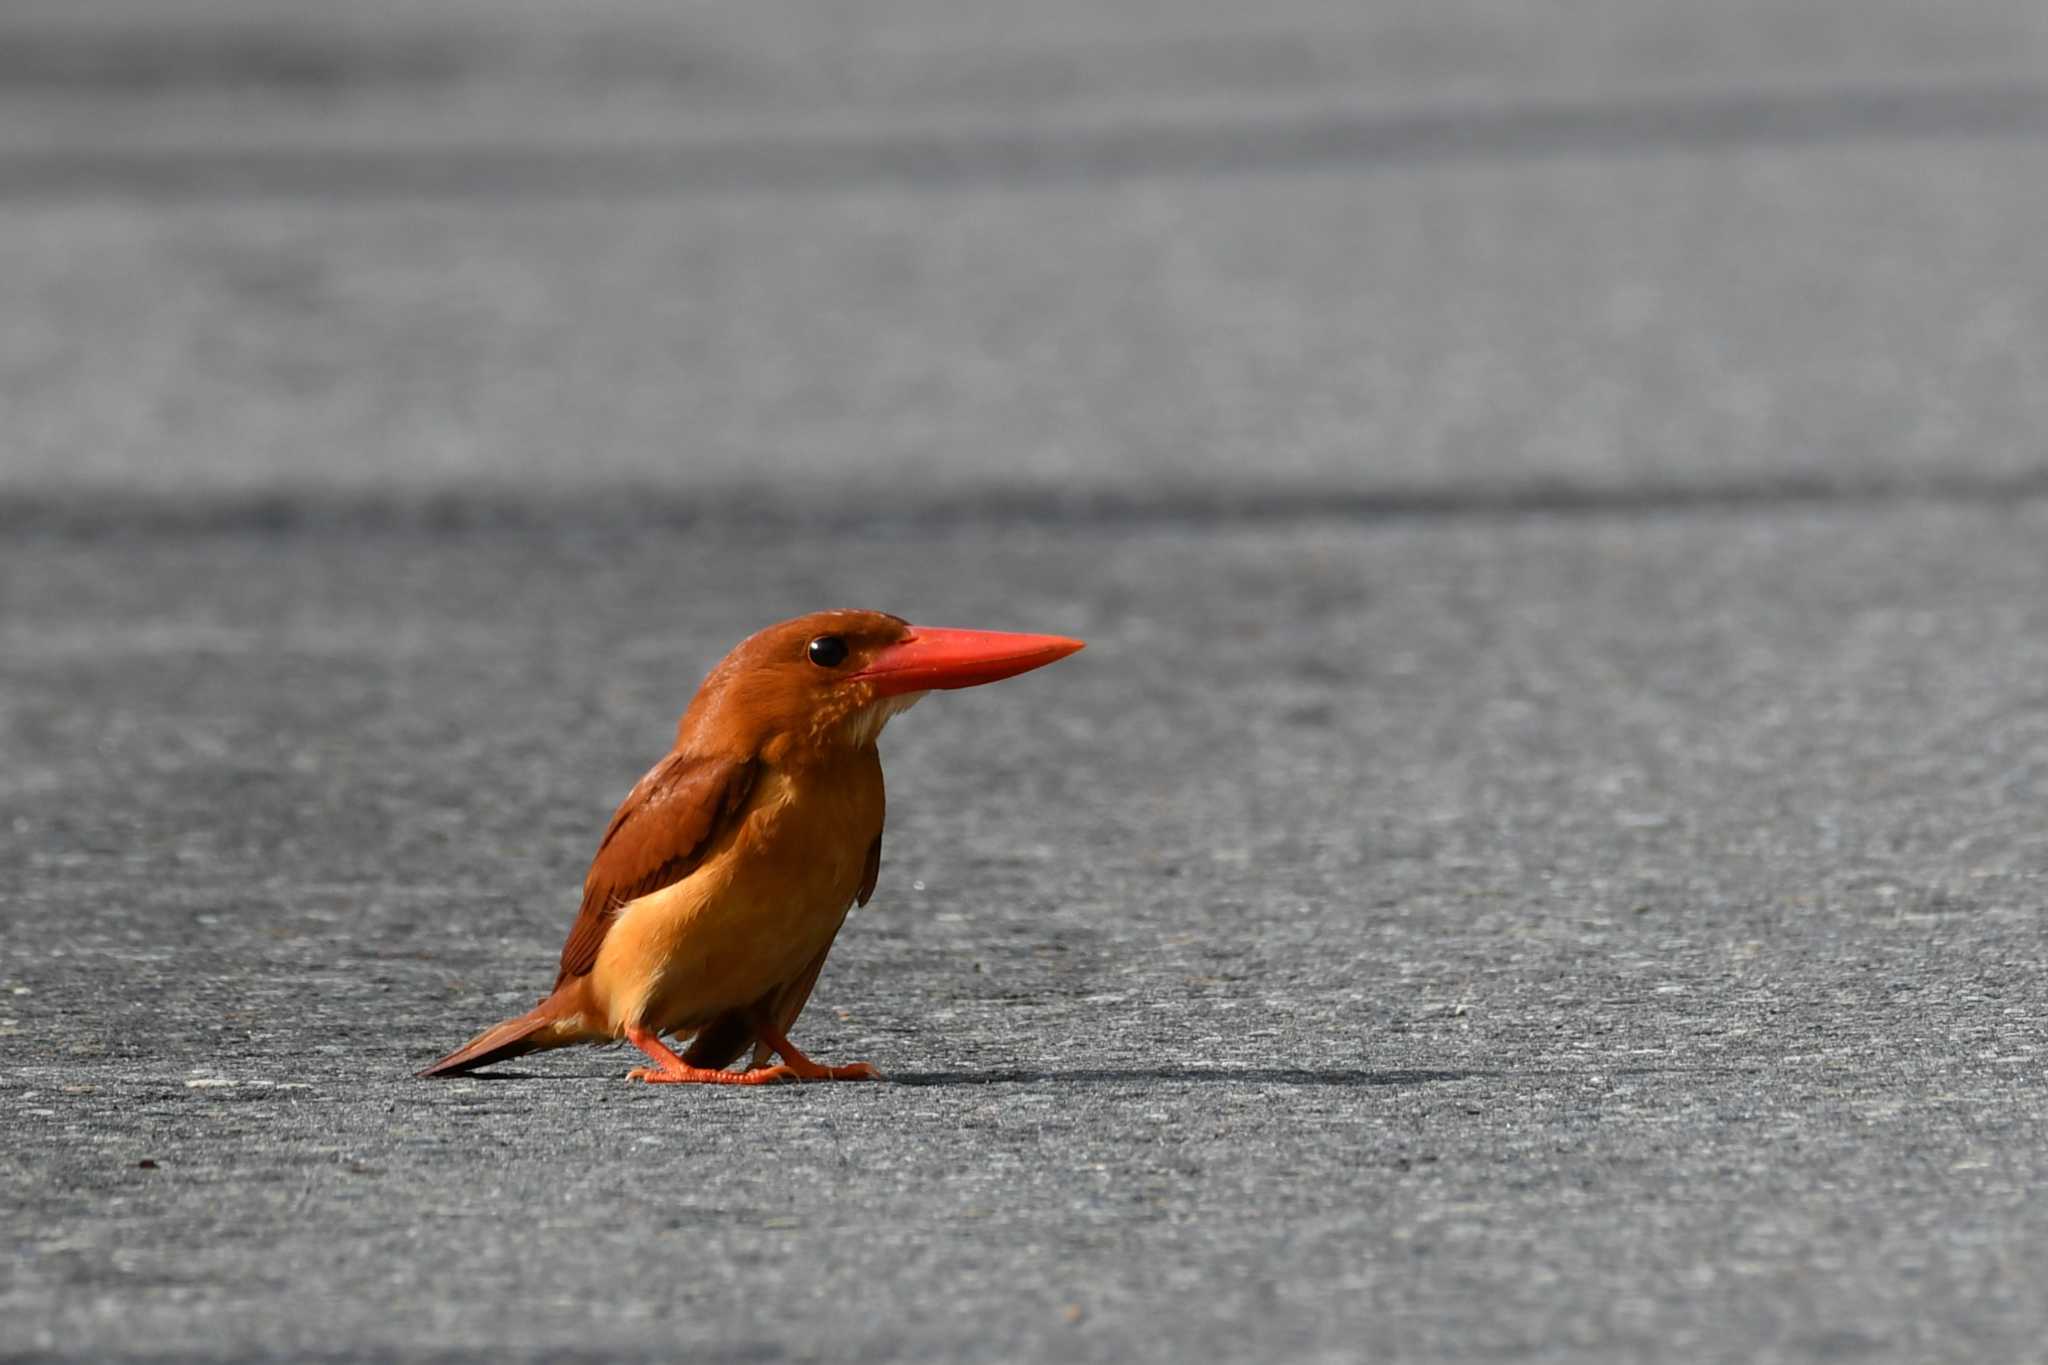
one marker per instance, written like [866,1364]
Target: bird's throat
[864,726]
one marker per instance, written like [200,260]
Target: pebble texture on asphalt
[1615,937]
[1543,858]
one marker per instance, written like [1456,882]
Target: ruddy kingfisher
[725,875]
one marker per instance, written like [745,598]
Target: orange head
[835,677]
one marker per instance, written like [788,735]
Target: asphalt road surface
[1544,856]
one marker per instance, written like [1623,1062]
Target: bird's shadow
[1343,1077]
[1198,1075]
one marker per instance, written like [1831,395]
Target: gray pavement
[1544,856]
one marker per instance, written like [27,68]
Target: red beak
[930,658]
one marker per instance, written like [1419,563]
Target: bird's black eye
[828,651]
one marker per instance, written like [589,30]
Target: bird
[724,876]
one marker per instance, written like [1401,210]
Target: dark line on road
[937,160]
[101,514]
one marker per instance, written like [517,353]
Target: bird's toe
[767,1075]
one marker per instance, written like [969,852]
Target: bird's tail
[543,1026]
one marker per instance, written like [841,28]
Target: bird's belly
[688,959]
[750,919]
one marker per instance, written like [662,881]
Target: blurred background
[900,251]
[1543,856]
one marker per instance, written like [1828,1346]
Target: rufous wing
[658,836]
[871,873]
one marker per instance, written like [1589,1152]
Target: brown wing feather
[791,999]
[657,837]
[870,874]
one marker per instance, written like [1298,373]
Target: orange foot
[669,1069]
[802,1068]
[698,1075]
